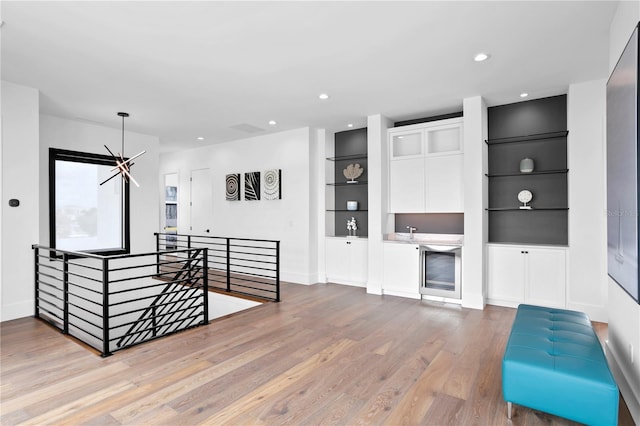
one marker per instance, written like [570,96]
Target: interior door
[201,202]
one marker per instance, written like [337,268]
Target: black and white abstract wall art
[252,186]
[233,187]
[272,189]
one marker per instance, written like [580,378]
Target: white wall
[288,220]
[475,193]
[26,137]
[624,312]
[587,274]
[20,174]
[61,133]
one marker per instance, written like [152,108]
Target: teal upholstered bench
[554,363]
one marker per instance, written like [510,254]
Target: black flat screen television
[622,170]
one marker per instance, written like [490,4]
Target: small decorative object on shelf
[353,172]
[526,165]
[352,205]
[352,227]
[525,196]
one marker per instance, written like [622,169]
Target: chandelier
[123,167]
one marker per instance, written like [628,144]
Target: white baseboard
[346,282]
[632,400]
[474,301]
[377,291]
[402,294]
[298,278]
[374,287]
[505,303]
[17,310]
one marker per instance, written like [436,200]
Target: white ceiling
[188,69]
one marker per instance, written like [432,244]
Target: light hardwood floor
[327,354]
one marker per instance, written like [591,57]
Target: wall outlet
[631,353]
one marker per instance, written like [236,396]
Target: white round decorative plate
[525,196]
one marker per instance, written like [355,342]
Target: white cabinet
[346,261]
[407,185]
[401,270]
[505,275]
[526,274]
[546,273]
[426,167]
[444,181]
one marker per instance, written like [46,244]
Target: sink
[399,236]
[443,239]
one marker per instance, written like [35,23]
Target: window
[84,215]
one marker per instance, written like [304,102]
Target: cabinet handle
[348,242]
[524,252]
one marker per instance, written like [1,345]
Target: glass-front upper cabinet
[433,138]
[444,139]
[406,144]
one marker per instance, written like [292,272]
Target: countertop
[420,238]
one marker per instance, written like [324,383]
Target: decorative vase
[352,205]
[526,165]
[352,227]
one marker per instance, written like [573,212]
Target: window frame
[56,154]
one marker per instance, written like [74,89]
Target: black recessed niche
[533,129]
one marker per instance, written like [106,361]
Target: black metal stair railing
[113,302]
[238,266]
[174,307]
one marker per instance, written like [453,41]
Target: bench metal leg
[509,405]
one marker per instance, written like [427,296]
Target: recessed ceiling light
[524,94]
[200,138]
[272,122]
[323,96]
[481,57]
[349,125]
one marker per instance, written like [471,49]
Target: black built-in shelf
[346,183]
[348,157]
[520,174]
[527,138]
[537,130]
[345,210]
[350,147]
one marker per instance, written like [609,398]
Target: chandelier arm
[127,161]
[109,178]
[112,154]
[126,172]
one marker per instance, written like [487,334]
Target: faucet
[411,229]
